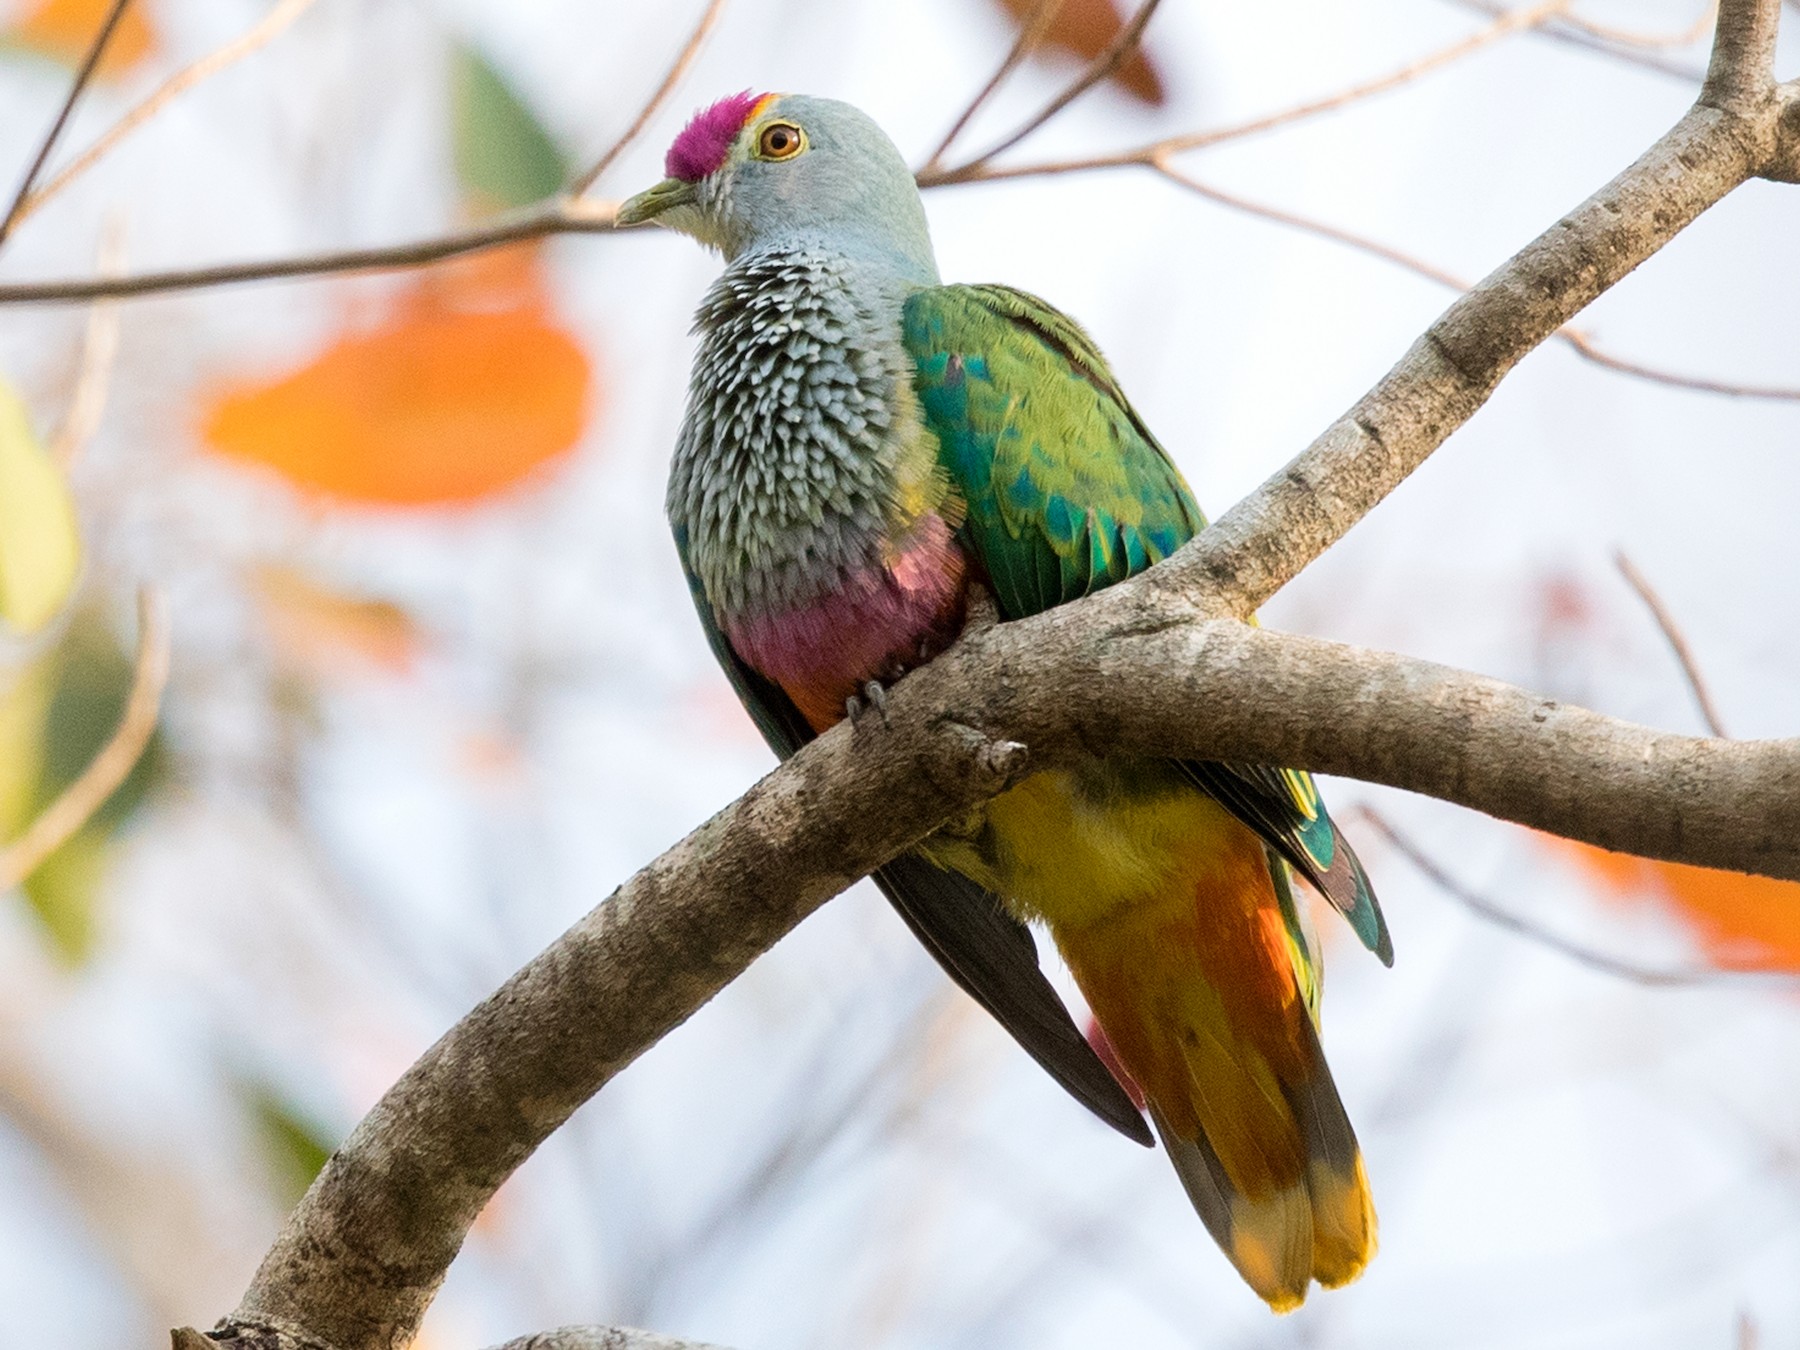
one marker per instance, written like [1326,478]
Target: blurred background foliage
[436,686]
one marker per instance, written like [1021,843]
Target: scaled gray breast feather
[786,461]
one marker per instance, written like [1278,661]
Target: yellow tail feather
[1197,991]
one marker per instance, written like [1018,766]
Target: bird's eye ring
[780,140]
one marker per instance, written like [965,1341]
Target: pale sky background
[840,1151]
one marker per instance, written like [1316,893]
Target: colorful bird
[862,446]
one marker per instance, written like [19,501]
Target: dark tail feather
[993,958]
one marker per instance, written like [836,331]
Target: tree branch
[1678,977]
[1630,37]
[1678,643]
[99,349]
[696,39]
[78,802]
[1109,60]
[1588,38]
[1578,341]
[563,1338]
[603,1338]
[1031,32]
[1264,541]
[1741,73]
[363,1254]
[561,215]
[979,170]
[366,1249]
[1784,164]
[84,75]
[265,30]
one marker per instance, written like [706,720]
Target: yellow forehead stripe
[758,108]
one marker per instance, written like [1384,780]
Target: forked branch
[363,1254]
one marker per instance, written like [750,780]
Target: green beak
[652,202]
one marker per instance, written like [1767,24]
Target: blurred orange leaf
[319,627]
[1084,29]
[451,399]
[1743,922]
[64,29]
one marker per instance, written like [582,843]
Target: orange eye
[780,140]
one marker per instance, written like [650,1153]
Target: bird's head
[754,170]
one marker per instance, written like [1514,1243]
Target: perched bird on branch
[863,446]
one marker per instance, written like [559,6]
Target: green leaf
[295,1146]
[40,549]
[503,154]
[64,893]
[58,716]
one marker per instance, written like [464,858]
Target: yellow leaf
[24,708]
[40,550]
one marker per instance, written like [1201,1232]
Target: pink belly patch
[876,625]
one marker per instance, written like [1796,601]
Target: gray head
[754,171]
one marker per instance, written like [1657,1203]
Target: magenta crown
[704,142]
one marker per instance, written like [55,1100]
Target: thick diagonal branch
[1265,541]
[363,1254]
[1154,666]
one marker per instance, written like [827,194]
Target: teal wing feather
[1066,489]
[1283,806]
[1067,492]
[987,952]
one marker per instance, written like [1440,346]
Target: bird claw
[873,696]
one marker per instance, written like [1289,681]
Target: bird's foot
[872,699]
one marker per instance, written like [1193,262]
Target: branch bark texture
[1161,665]
[364,1253]
[603,1338]
[1264,541]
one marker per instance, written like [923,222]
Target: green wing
[987,952]
[1068,492]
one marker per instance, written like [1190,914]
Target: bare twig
[99,348]
[83,74]
[1513,21]
[696,40]
[558,216]
[107,770]
[1263,542]
[1740,76]
[1500,917]
[1103,65]
[272,23]
[1031,32]
[364,1253]
[1570,35]
[1583,345]
[1586,347]
[1505,25]
[1630,37]
[1306,225]
[1677,641]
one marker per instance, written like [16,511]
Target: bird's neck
[796,463]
